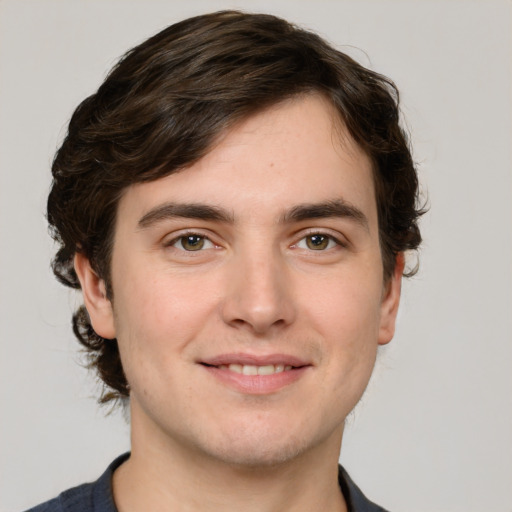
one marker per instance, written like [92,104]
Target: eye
[192,242]
[317,242]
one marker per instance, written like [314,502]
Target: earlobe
[96,301]
[390,302]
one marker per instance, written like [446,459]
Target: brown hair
[167,100]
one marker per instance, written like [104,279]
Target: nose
[259,294]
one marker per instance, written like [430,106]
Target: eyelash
[330,238]
[189,234]
[205,239]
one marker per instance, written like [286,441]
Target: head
[170,101]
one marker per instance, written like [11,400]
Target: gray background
[434,431]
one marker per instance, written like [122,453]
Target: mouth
[256,374]
[251,369]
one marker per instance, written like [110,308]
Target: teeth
[249,369]
[266,370]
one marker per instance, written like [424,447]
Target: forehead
[297,151]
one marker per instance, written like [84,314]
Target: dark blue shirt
[98,497]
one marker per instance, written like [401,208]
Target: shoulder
[78,499]
[356,500]
[90,497]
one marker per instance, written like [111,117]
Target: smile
[259,375]
[249,369]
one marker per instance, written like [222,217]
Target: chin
[262,448]
[251,456]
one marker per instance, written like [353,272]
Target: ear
[391,301]
[94,292]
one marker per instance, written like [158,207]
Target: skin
[259,287]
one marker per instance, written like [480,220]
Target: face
[248,291]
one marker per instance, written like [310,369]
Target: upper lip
[255,360]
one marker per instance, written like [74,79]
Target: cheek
[346,314]
[160,315]
[344,304]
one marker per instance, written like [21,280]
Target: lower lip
[257,384]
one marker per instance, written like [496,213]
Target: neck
[162,474]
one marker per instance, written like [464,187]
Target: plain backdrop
[434,431]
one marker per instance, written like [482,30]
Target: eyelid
[337,237]
[172,238]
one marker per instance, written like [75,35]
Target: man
[234,203]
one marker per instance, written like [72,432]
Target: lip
[257,360]
[256,384]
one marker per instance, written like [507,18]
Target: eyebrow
[184,210]
[307,211]
[336,208]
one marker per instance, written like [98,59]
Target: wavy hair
[165,103]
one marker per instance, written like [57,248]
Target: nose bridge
[259,291]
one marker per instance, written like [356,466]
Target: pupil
[193,242]
[317,242]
